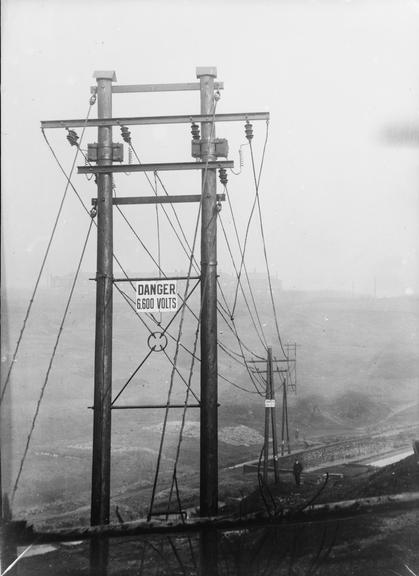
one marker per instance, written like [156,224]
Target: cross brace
[155,167]
[154,278]
[160,199]
[174,87]
[153,406]
[147,120]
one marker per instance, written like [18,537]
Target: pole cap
[105,75]
[206,71]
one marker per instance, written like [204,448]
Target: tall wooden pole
[273,416]
[286,417]
[284,387]
[101,467]
[270,420]
[209,368]
[267,408]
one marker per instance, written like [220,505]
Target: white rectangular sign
[156,296]
[270,403]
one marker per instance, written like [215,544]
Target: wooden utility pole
[273,416]
[209,367]
[268,403]
[207,150]
[270,420]
[285,433]
[101,467]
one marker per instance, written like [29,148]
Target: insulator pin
[248,128]
[72,137]
[126,134]
[195,131]
[222,173]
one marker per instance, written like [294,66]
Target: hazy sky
[340,203]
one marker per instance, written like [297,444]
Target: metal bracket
[150,120]
[180,198]
[174,87]
[117,152]
[171,199]
[203,148]
[153,167]
[157,341]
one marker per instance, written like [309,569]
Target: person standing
[297,469]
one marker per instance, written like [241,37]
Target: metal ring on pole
[157,341]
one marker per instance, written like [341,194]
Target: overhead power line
[257,199]
[41,270]
[48,372]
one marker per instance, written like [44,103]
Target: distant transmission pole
[270,420]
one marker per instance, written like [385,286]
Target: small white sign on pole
[270,403]
[156,296]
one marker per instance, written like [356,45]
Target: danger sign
[156,296]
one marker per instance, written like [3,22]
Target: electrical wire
[224,312]
[131,302]
[148,252]
[41,270]
[152,350]
[21,555]
[257,199]
[192,257]
[182,425]
[203,288]
[177,218]
[234,330]
[88,212]
[243,265]
[154,188]
[131,151]
[132,306]
[241,159]
[251,215]
[260,335]
[232,327]
[174,475]
[158,237]
[44,385]
[139,239]
[126,275]
[190,253]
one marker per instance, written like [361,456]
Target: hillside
[357,369]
